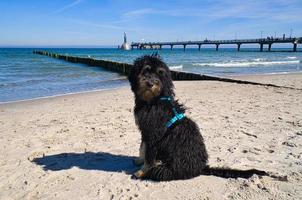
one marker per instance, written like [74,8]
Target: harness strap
[177,116]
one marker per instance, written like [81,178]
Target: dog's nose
[149,84]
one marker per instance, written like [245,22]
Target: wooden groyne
[124,69]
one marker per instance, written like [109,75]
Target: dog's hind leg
[141,159]
[159,173]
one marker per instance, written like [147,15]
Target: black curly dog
[172,147]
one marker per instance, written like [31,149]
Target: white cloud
[93,24]
[138,13]
[68,6]
[280,10]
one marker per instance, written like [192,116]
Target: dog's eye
[147,68]
[161,71]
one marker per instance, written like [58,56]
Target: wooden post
[238,46]
[295,47]
[269,47]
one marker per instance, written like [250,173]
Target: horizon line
[208,46]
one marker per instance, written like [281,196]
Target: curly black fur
[180,148]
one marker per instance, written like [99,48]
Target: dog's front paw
[138,161]
[139,174]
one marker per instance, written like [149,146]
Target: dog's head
[150,78]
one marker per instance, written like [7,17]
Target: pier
[269,41]
[124,69]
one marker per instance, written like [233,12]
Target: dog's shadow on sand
[88,161]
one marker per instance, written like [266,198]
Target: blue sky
[102,22]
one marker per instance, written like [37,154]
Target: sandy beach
[82,146]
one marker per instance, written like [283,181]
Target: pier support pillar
[171,47]
[185,47]
[295,47]
[199,45]
[269,47]
[160,47]
[238,47]
[261,47]
[217,45]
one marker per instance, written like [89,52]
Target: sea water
[24,75]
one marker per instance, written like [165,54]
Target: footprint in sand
[289,144]
[299,133]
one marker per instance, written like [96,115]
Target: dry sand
[81,146]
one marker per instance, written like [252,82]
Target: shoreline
[60,95]
[276,79]
[266,74]
[249,77]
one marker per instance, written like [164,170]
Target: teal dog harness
[177,116]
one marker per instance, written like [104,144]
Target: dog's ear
[134,73]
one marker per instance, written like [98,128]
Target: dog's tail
[159,173]
[232,173]
[162,173]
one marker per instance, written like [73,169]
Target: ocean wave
[22,83]
[71,75]
[259,59]
[246,64]
[6,85]
[291,57]
[112,80]
[176,67]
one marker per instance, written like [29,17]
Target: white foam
[259,59]
[246,64]
[291,57]
[176,67]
